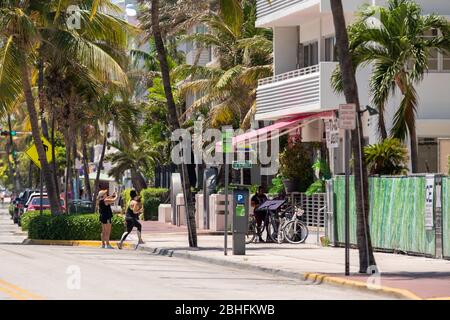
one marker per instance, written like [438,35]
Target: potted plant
[296,166]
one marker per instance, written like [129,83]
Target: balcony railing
[298,91]
[264,7]
[289,75]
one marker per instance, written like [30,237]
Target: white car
[32,196]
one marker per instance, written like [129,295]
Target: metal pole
[347,203]
[41,190]
[226,207]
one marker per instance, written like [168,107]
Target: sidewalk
[410,277]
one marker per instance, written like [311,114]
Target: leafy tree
[398,50]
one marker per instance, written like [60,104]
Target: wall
[285,49]
[396,219]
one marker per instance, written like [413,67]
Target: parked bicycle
[289,226]
[281,225]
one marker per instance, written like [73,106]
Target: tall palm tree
[396,46]
[350,87]
[151,23]
[22,33]
[244,55]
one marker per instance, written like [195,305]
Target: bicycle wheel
[272,229]
[251,232]
[296,232]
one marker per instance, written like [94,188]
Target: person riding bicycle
[260,215]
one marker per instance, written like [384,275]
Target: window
[438,61]
[311,54]
[330,49]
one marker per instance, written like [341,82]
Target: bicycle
[289,226]
[252,230]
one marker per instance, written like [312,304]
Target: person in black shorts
[132,218]
[258,199]
[104,208]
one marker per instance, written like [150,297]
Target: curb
[313,277]
[73,243]
[399,293]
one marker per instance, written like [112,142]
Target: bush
[296,163]
[388,157]
[152,198]
[72,227]
[30,215]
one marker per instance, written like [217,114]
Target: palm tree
[244,55]
[151,23]
[398,50]
[138,158]
[350,87]
[22,33]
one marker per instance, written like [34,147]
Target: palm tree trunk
[414,148]
[366,257]
[173,120]
[138,180]
[68,171]
[97,177]
[42,98]
[48,179]
[382,124]
[87,185]
[54,167]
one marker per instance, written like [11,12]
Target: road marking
[17,292]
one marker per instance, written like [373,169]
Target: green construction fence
[446,217]
[397,214]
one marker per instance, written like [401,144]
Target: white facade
[304,59]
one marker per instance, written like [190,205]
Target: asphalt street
[58,272]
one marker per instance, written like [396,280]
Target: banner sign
[429,202]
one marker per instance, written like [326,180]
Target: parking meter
[240,219]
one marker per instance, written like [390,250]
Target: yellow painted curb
[75,243]
[402,293]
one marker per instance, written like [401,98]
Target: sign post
[227,147]
[347,121]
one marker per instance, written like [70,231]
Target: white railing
[264,7]
[290,75]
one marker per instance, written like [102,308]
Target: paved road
[52,272]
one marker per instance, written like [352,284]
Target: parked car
[19,203]
[80,206]
[31,197]
[35,204]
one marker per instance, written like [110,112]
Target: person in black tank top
[132,218]
[104,208]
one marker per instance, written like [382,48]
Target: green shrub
[72,227]
[388,157]
[161,193]
[29,215]
[152,198]
[296,163]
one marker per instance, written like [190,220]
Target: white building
[304,59]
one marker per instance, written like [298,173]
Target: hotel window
[330,49]
[311,54]
[438,61]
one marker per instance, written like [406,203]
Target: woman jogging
[131,217]
[104,207]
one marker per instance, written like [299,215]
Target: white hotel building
[304,59]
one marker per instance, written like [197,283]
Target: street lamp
[372,111]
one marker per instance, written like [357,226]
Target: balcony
[295,92]
[284,12]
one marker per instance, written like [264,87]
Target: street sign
[33,154]
[347,116]
[429,202]
[242,164]
[332,133]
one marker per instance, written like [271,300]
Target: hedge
[29,215]
[151,198]
[72,227]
